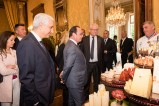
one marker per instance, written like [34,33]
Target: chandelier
[116,16]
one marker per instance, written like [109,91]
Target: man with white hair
[92,47]
[150,35]
[36,68]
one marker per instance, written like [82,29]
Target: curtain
[11,9]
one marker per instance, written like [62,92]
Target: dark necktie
[92,48]
[121,43]
[44,48]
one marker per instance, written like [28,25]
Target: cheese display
[155,87]
[142,83]
[128,86]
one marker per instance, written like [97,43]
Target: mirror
[61,15]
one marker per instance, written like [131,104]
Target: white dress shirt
[36,36]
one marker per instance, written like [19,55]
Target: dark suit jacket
[50,47]
[59,57]
[85,47]
[125,48]
[16,43]
[37,73]
[111,49]
[75,70]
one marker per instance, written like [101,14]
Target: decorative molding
[38,9]
[1,4]
[21,0]
[61,15]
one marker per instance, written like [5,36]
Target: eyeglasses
[94,29]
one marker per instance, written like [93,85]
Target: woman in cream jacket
[10,87]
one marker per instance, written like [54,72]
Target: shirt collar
[92,36]
[19,38]
[123,38]
[73,41]
[36,36]
[155,33]
[106,39]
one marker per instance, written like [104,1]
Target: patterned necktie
[92,48]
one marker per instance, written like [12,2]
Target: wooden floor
[58,99]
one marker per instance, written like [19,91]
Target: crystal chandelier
[116,16]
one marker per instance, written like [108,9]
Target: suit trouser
[93,68]
[76,96]
[16,94]
[124,58]
[107,65]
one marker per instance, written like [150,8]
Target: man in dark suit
[109,50]
[126,48]
[20,32]
[74,71]
[36,68]
[92,48]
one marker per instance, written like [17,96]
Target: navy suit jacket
[37,72]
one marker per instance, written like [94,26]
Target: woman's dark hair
[3,40]
[73,30]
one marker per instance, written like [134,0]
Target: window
[131,26]
[112,31]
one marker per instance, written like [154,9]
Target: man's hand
[61,77]
[129,53]
[36,104]
[105,51]
[61,74]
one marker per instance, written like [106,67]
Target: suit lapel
[98,44]
[124,41]
[88,40]
[79,50]
[107,42]
[88,45]
[38,44]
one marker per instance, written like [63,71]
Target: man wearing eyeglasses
[92,48]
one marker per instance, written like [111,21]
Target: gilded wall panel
[156,14]
[78,13]
[4,21]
